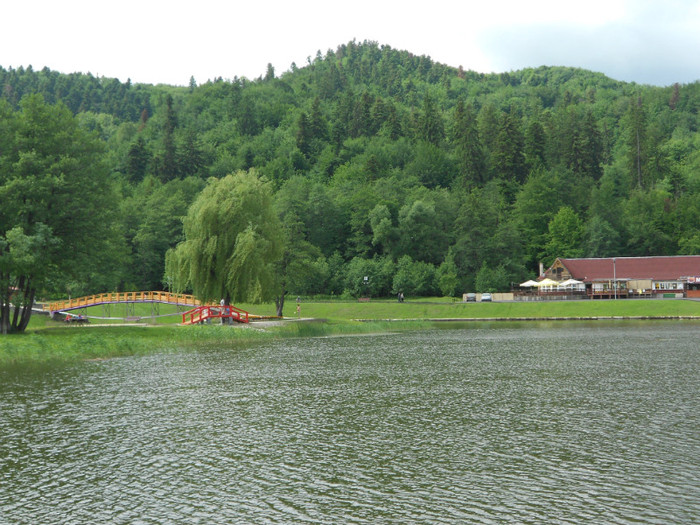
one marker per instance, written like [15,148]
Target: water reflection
[580,423]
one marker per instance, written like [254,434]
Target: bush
[414,278]
[378,271]
[492,279]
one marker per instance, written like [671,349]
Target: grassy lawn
[48,340]
[51,341]
[446,309]
[427,308]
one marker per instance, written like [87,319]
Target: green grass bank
[435,309]
[428,308]
[76,343]
[48,339]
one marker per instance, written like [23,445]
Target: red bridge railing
[201,314]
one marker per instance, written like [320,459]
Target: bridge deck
[122,297]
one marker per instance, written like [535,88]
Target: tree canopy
[58,206]
[377,161]
[232,240]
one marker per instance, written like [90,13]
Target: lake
[588,422]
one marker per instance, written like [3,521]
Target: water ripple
[578,424]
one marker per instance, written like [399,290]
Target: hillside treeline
[425,178]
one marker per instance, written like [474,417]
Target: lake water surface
[501,423]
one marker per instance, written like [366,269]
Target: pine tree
[303,134]
[508,156]
[468,149]
[143,120]
[636,140]
[430,125]
[361,119]
[190,158]
[137,160]
[675,96]
[589,148]
[535,145]
[169,167]
[269,73]
[318,127]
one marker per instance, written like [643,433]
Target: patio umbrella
[528,284]
[547,282]
[570,282]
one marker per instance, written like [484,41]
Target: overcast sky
[156,41]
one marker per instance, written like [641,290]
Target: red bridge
[201,314]
[198,314]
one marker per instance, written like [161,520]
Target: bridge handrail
[203,312]
[123,297]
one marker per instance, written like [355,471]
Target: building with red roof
[631,276]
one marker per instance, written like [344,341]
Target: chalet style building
[622,277]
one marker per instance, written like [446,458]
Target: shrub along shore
[52,340]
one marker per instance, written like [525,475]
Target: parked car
[471,297]
[485,297]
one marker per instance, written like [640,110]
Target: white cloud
[650,42]
[158,41]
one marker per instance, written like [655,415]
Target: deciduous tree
[565,236]
[57,205]
[232,242]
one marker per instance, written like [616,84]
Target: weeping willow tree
[232,241]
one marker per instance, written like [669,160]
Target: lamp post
[614,278]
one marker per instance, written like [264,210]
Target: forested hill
[426,177]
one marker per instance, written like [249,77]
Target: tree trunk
[27,310]
[279,302]
[639,161]
[15,317]
[4,299]
[5,314]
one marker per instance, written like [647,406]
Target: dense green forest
[426,178]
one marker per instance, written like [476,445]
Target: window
[668,285]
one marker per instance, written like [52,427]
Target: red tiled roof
[656,268]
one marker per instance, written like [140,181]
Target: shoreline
[556,318]
[49,342]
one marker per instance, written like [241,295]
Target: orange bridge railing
[122,297]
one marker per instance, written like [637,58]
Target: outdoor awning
[570,282]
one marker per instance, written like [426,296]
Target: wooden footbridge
[203,314]
[122,297]
[197,312]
